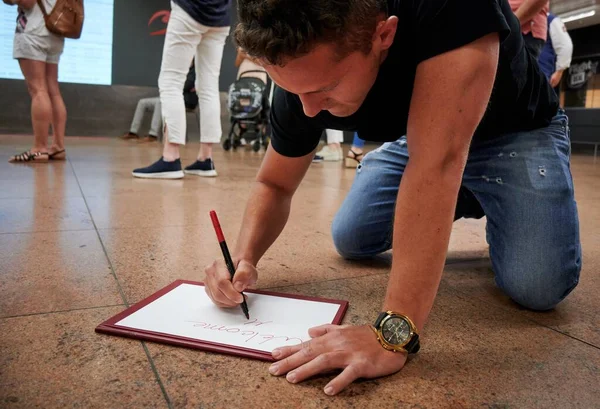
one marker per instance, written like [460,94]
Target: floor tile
[145,260]
[44,272]
[58,361]
[32,180]
[469,271]
[135,211]
[44,213]
[48,186]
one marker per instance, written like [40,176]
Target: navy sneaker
[160,170]
[205,168]
[317,159]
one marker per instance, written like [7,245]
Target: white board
[186,311]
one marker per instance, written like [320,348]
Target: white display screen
[87,60]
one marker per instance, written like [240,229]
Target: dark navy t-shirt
[521,98]
[211,13]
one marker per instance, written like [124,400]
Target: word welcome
[247,330]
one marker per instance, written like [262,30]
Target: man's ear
[385,32]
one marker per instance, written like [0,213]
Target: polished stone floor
[80,240]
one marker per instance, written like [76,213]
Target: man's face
[325,83]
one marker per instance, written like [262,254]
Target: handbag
[65,19]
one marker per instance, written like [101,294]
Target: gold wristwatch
[396,332]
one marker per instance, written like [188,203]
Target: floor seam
[150,227]
[541,324]
[61,311]
[110,266]
[121,292]
[353,277]
[157,376]
[320,282]
[44,231]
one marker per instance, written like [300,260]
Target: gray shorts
[38,48]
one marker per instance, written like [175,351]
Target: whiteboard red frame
[109,326]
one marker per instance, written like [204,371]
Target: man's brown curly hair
[277,30]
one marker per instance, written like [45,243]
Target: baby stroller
[248,105]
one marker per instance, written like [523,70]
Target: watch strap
[413,345]
[379,319]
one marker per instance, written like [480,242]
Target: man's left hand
[354,349]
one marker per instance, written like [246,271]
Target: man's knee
[539,286]
[343,238]
[354,241]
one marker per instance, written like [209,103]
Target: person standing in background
[244,64]
[38,52]
[355,153]
[532,16]
[200,28]
[152,104]
[332,152]
[557,52]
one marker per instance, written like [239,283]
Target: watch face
[395,331]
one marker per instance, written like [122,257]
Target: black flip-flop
[353,159]
[29,156]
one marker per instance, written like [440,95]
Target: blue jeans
[521,182]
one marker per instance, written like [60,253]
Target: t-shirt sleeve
[444,25]
[562,44]
[293,133]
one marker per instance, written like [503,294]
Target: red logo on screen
[163,15]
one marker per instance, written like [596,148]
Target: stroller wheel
[256,145]
[227,144]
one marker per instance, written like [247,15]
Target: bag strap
[41,4]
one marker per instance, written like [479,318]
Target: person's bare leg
[356,150]
[205,151]
[170,150]
[59,111]
[41,107]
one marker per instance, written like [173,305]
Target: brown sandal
[353,159]
[58,155]
[29,156]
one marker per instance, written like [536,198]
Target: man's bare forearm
[265,216]
[423,222]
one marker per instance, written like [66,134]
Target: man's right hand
[223,291]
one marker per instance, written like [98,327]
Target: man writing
[483,134]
